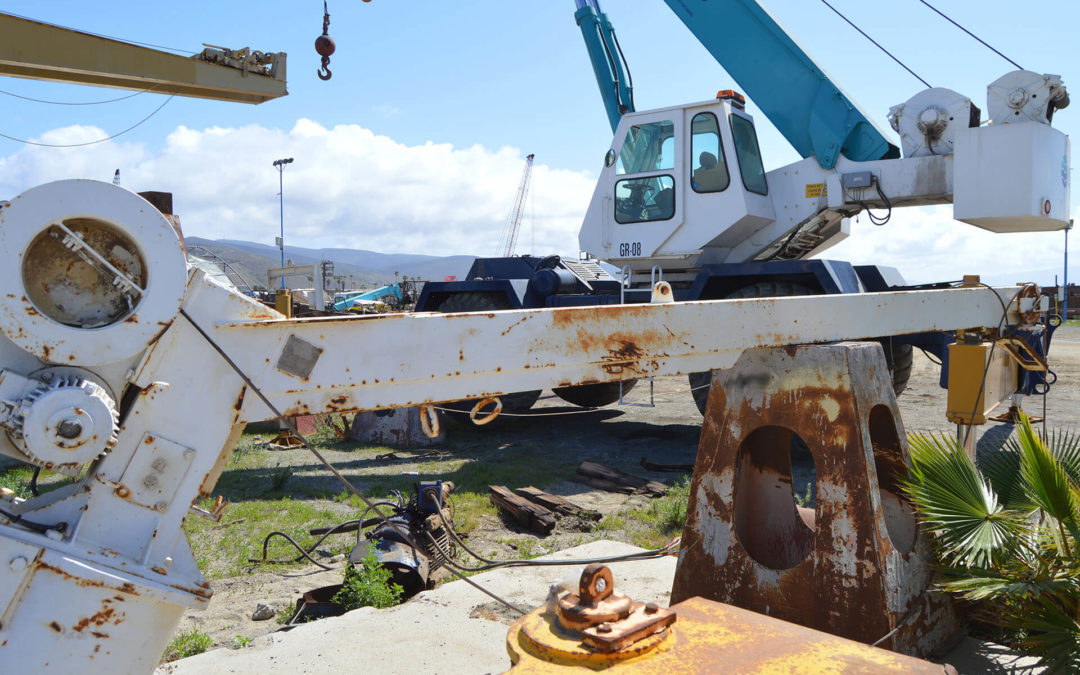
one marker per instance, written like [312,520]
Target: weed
[188,643]
[279,476]
[612,522]
[806,500]
[240,641]
[285,615]
[526,548]
[368,586]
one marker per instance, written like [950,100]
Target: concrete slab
[456,629]
[453,629]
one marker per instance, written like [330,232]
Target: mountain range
[359,268]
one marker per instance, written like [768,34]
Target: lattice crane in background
[513,221]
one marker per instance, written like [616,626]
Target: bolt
[189,454]
[161,506]
[18,564]
[69,428]
[652,608]
[168,560]
[604,628]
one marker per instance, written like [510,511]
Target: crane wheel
[516,402]
[594,395]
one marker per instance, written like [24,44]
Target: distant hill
[362,269]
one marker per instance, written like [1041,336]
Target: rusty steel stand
[854,565]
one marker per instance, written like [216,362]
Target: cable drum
[98,273]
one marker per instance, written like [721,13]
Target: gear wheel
[63,422]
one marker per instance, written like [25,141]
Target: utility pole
[1065,285]
[280,164]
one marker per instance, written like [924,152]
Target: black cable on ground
[33,482]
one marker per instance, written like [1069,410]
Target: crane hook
[325,46]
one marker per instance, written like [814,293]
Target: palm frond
[1047,484]
[1002,467]
[954,500]
[1065,447]
[1053,633]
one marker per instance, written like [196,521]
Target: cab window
[648,147]
[749,156]
[639,200]
[708,172]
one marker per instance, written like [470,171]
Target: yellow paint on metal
[967,391]
[283,302]
[710,637]
[815,190]
[42,51]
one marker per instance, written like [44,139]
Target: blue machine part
[343,302]
[609,65]
[811,111]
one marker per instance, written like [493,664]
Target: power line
[111,100]
[984,43]
[875,43]
[100,140]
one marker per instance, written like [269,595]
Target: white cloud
[352,188]
[347,188]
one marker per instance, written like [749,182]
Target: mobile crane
[683,195]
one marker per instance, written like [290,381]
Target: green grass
[188,643]
[17,479]
[224,549]
[654,526]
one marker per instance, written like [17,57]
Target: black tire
[699,382]
[516,402]
[900,358]
[594,395]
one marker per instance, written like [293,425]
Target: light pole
[280,164]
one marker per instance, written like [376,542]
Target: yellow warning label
[814,190]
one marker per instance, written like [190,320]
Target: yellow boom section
[41,51]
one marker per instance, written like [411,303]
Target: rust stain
[99,619]
[56,627]
[240,399]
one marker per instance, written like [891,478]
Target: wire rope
[100,140]
[875,43]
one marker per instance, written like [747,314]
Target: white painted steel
[1013,177]
[33,212]
[928,121]
[1022,96]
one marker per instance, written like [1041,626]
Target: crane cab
[680,186]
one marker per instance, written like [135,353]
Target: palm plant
[1006,533]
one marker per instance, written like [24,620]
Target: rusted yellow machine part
[701,636]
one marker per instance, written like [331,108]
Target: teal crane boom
[809,109]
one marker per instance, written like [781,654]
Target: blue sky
[464,90]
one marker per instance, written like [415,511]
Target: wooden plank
[555,503]
[532,516]
[607,478]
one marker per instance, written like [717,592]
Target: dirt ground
[620,436]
